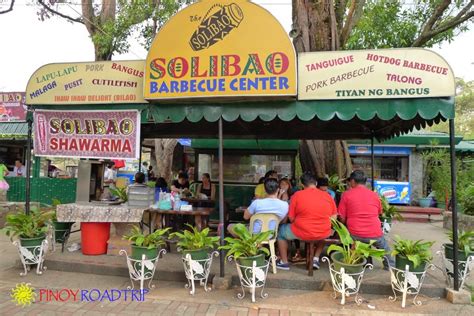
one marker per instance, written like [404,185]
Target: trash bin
[94,237]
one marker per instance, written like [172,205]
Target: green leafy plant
[465,241]
[32,225]
[389,211]
[417,252]
[353,252]
[195,239]
[150,241]
[336,183]
[467,200]
[246,244]
[120,193]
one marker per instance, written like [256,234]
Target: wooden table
[201,216]
[199,202]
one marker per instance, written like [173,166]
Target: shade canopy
[335,119]
[13,130]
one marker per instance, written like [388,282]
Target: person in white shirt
[110,175]
[19,170]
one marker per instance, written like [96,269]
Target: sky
[27,43]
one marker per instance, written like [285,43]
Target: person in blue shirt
[268,205]
[323,185]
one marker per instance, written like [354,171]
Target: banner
[370,74]
[224,48]
[101,82]
[12,106]
[87,134]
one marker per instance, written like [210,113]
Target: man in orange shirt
[310,219]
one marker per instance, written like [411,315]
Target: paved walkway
[170,298]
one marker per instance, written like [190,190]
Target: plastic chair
[266,219]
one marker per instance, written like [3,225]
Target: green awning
[415,138]
[335,119]
[246,144]
[13,130]
[465,146]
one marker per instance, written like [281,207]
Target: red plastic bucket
[94,237]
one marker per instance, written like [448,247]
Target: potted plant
[465,245]
[247,247]
[120,193]
[60,228]
[31,229]
[415,254]
[389,212]
[196,243]
[149,245]
[352,256]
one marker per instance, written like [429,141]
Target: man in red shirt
[359,210]
[310,219]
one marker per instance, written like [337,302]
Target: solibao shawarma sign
[221,49]
[87,134]
[384,73]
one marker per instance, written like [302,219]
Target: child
[3,183]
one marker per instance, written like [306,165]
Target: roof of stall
[13,130]
[246,144]
[334,119]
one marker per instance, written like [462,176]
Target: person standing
[19,170]
[151,174]
[4,186]
[359,210]
[310,219]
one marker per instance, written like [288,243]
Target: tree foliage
[111,23]
[422,23]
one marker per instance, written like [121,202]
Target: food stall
[241,83]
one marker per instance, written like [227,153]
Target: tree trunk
[316,30]
[164,149]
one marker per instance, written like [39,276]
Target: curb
[376,288]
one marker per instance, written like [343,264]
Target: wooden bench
[419,210]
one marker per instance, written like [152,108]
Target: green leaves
[27,226]
[246,244]
[353,252]
[154,240]
[389,211]
[416,251]
[195,239]
[120,193]
[465,240]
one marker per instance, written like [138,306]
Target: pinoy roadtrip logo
[218,22]
[24,294]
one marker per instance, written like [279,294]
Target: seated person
[260,188]
[139,194]
[323,185]
[181,184]
[269,205]
[206,187]
[359,210]
[285,192]
[161,185]
[310,219]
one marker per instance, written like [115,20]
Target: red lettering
[227,64]
[126,146]
[73,144]
[74,294]
[277,63]
[160,70]
[195,68]
[63,144]
[95,145]
[115,145]
[176,66]
[105,145]
[84,143]
[53,144]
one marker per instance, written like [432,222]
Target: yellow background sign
[104,82]
[221,49]
[367,74]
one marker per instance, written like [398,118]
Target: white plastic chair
[266,219]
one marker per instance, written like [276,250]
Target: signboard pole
[372,161]
[28,165]
[221,197]
[453,202]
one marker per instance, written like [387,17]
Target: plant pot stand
[406,283]
[197,270]
[346,284]
[142,270]
[252,278]
[464,268]
[62,239]
[32,255]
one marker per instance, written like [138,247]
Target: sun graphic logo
[23,294]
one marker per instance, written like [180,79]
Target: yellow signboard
[367,74]
[87,83]
[225,48]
